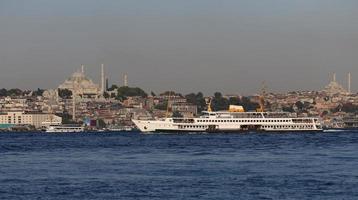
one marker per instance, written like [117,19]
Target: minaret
[107,83]
[103,84]
[74,106]
[349,82]
[83,69]
[125,80]
[74,92]
[334,77]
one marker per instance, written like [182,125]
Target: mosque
[335,88]
[83,86]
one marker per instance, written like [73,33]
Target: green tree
[101,123]
[234,101]
[14,92]
[248,104]
[196,99]
[124,92]
[38,92]
[66,118]
[162,106]
[3,92]
[299,105]
[177,114]
[106,95]
[350,108]
[171,93]
[288,109]
[65,93]
[219,102]
[113,87]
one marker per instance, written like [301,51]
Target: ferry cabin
[232,122]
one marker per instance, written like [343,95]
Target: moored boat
[65,129]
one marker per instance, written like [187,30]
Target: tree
[38,92]
[113,87]
[162,106]
[65,93]
[299,105]
[171,93]
[248,104]
[101,123]
[219,102]
[234,101]
[177,114]
[196,99]
[125,91]
[191,98]
[350,108]
[14,92]
[66,118]
[106,95]
[3,92]
[288,109]
[153,94]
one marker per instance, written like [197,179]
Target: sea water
[179,166]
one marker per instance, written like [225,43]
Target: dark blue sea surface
[179,166]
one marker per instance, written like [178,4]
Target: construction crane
[209,105]
[262,98]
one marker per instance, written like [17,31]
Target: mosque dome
[81,84]
[334,88]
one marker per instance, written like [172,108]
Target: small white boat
[121,129]
[64,129]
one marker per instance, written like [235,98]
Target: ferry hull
[235,131]
[147,126]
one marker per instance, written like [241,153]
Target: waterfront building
[27,118]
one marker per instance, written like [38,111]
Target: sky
[230,46]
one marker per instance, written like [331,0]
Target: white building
[23,118]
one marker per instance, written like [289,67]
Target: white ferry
[232,121]
[64,129]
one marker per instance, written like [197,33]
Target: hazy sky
[184,45]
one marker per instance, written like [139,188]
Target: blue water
[219,166]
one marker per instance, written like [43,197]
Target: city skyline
[208,46]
